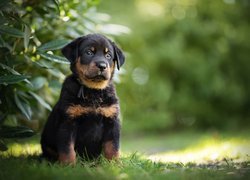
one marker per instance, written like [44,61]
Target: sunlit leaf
[40,100]
[11,31]
[15,132]
[54,58]
[56,73]
[53,45]
[12,79]
[43,65]
[23,106]
[27,33]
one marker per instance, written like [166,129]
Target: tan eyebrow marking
[92,49]
[106,50]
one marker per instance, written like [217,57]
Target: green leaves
[12,79]
[4,3]
[27,33]
[53,45]
[54,58]
[41,101]
[15,132]
[11,31]
[13,72]
[23,106]
[26,48]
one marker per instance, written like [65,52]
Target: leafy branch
[32,68]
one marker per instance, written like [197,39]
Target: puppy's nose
[101,65]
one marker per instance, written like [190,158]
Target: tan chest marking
[109,111]
[75,111]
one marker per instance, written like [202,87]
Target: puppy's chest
[97,107]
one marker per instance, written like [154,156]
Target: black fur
[90,131]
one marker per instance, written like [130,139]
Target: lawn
[184,155]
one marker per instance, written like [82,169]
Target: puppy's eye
[89,52]
[108,56]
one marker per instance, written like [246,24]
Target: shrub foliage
[31,67]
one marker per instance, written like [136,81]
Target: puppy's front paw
[67,158]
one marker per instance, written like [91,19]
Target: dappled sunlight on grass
[183,147]
[16,149]
[207,151]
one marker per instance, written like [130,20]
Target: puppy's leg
[111,139]
[66,143]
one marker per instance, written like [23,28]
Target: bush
[32,69]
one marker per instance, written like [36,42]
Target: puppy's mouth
[97,78]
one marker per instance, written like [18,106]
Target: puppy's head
[93,58]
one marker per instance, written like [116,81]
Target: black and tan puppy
[85,119]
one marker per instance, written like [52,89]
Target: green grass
[188,155]
[129,167]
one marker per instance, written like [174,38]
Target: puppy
[85,120]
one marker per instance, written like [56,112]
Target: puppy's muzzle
[101,65]
[98,72]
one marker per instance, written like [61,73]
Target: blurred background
[187,62]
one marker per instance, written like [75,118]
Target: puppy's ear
[119,56]
[70,51]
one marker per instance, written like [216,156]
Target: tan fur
[109,151]
[83,70]
[95,85]
[109,111]
[75,111]
[106,50]
[92,49]
[68,158]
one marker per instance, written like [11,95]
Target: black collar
[80,93]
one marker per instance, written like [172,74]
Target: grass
[187,155]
